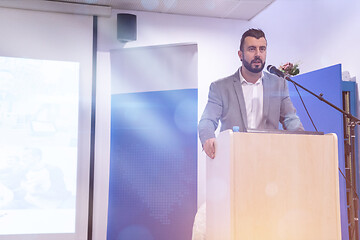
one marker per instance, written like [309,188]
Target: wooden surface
[218,194]
[273,186]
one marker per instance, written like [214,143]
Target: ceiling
[233,9]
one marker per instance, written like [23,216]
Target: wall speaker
[126,27]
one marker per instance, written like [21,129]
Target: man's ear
[240,55]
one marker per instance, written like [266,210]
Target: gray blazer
[226,103]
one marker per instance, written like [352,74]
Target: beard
[255,69]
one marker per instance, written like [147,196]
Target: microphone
[272,69]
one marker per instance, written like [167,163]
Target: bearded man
[250,98]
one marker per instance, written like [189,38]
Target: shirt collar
[243,80]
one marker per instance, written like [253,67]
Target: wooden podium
[271,186]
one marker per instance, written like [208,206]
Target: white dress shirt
[253,94]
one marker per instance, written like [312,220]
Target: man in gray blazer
[250,98]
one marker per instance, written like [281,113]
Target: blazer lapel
[240,97]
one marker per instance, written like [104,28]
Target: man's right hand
[209,147]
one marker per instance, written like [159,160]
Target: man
[250,98]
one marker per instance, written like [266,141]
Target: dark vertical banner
[153,155]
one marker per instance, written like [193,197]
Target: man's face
[253,55]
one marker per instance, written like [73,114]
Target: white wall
[217,41]
[316,34]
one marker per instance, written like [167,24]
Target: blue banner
[153,165]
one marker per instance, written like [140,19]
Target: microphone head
[269,68]
[274,70]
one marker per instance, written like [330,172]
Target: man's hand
[209,147]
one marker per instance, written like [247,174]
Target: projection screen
[45,102]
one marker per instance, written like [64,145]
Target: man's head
[252,51]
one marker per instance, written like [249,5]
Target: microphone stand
[353,121]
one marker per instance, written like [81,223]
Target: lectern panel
[282,186]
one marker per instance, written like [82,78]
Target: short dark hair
[252,32]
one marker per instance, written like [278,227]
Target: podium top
[276,131]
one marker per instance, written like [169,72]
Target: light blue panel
[328,120]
